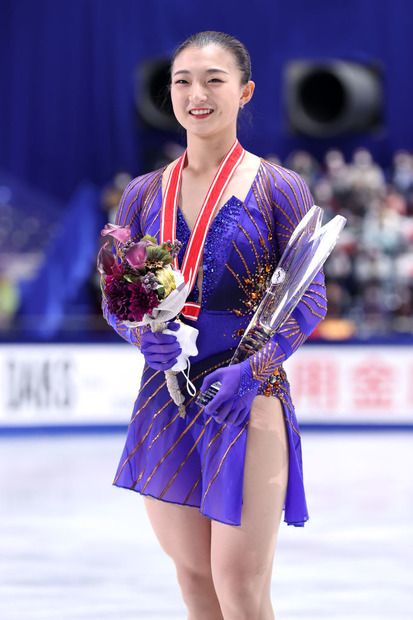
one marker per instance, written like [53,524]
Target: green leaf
[149,238]
[159,253]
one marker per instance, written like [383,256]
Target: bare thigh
[249,549]
[184,534]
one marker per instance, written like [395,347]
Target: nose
[197,93]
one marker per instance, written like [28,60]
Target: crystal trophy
[305,253]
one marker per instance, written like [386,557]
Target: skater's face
[207,90]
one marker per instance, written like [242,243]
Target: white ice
[72,546]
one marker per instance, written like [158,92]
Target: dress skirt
[194,461]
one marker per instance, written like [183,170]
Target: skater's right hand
[160,350]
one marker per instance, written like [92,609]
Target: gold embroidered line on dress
[122,218]
[203,464]
[284,400]
[184,461]
[148,400]
[304,194]
[167,453]
[311,290]
[149,197]
[138,181]
[248,236]
[207,371]
[290,330]
[263,199]
[241,285]
[265,182]
[221,463]
[280,170]
[141,442]
[314,301]
[242,258]
[264,363]
[287,217]
[260,237]
[138,479]
[321,316]
[306,191]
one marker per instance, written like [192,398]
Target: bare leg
[185,535]
[242,556]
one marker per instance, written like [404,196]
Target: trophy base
[256,338]
[204,398]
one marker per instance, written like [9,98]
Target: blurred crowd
[369,275]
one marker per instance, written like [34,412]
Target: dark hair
[231,44]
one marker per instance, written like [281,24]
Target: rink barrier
[95,429]
[92,387]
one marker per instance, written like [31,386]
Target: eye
[215,80]
[180,82]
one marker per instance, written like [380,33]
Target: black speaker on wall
[326,98]
[152,97]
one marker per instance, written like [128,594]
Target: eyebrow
[214,70]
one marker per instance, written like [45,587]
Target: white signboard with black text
[63,384]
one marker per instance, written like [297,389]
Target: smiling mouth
[201,113]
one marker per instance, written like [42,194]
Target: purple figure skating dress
[195,461]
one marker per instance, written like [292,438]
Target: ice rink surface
[72,546]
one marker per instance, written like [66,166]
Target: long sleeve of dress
[291,201]
[133,200]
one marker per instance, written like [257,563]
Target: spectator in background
[337,173]
[305,165]
[367,181]
[369,276]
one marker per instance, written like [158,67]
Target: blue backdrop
[67,84]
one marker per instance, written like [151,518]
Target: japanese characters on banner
[97,384]
[354,384]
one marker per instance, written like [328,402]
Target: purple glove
[160,350]
[238,389]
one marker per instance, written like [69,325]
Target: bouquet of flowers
[142,287]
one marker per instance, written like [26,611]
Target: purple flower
[142,301]
[107,264]
[121,233]
[137,254]
[105,261]
[119,297]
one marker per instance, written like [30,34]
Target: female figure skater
[216,482]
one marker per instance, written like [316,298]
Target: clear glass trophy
[307,249]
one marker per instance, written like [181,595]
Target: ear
[247,92]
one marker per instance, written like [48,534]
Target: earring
[242,105]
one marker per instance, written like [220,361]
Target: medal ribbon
[195,248]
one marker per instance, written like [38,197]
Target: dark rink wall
[68,78]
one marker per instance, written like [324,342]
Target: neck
[204,154]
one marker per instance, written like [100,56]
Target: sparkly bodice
[218,244]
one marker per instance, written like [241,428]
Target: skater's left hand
[232,403]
